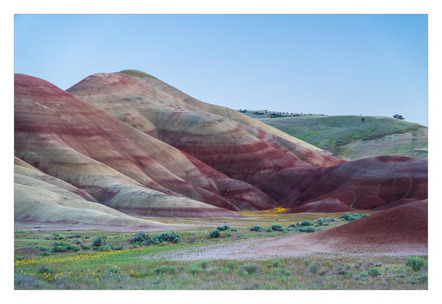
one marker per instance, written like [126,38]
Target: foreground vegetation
[111,260]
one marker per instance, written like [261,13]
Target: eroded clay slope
[119,165]
[293,173]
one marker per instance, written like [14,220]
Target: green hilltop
[353,137]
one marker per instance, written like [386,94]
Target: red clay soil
[395,232]
[363,184]
[398,228]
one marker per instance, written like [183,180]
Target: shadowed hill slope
[118,165]
[355,137]
[361,184]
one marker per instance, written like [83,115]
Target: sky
[322,64]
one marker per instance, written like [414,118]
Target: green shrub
[202,264]
[307,229]
[283,272]
[167,238]
[164,269]
[374,272]
[120,247]
[195,269]
[141,238]
[64,247]
[291,226]
[276,228]
[103,248]
[98,241]
[84,247]
[306,223]
[44,249]
[57,236]
[222,228]
[43,269]
[214,234]
[277,263]
[320,221]
[350,217]
[340,269]
[257,228]
[233,230]
[249,268]
[415,262]
[114,269]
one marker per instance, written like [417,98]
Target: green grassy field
[125,265]
[356,137]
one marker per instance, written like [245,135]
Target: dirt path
[288,246]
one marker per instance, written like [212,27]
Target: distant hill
[355,137]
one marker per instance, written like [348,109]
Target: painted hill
[241,147]
[394,229]
[43,199]
[118,165]
[143,148]
[356,137]
[361,184]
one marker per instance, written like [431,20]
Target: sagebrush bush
[306,223]
[257,228]
[350,217]
[374,272]
[415,262]
[277,263]
[195,269]
[307,229]
[340,269]
[43,269]
[114,269]
[167,238]
[222,228]
[64,247]
[98,241]
[276,228]
[249,268]
[214,234]
[103,248]
[164,270]
[320,221]
[141,238]
[44,249]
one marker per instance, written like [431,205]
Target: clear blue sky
[330,64]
